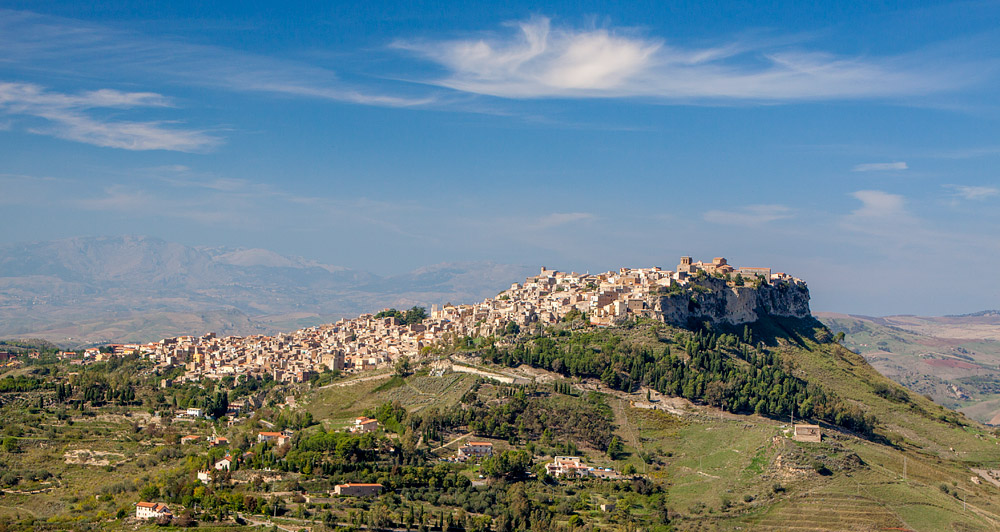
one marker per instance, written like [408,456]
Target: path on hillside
[357,380]
[467,435]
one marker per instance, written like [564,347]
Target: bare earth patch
[93,458]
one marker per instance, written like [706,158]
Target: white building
[475,449]
[151,510]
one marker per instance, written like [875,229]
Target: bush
[821,468]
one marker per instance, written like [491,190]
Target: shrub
[821,468]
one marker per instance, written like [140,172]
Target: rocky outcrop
[718,302]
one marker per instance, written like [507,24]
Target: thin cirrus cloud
[880,167]
[542,61]
[749,215]
[41,42]
[74,117]
[974,192]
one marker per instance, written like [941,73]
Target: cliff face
[712,300]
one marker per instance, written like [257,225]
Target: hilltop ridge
[697,293]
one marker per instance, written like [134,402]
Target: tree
[402,366]
[415,315]
[507,464]
[615,448]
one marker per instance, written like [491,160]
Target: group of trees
[22,383]
[724,370]
[409,317]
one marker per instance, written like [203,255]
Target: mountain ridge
[67,290]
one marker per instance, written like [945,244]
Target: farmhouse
[475,449]
[151,510]
[808,433]
[357,489]
[567,466]
[364,425]
[279,438]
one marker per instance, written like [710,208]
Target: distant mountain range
[81,291]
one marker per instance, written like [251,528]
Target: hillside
[84,291]
[637,398]
[955,359]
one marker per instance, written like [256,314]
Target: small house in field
[567,466]
[190,438]
[807,433]
[357,489]
[363,425]
[224,464]
[279,438]
[475,449]
[151,510]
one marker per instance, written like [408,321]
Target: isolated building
[357,489]
[475,449]
[151,510]
[363,425]
[807,433]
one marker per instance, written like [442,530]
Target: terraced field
[830,512]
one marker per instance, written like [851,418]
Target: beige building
[807,433]
[475,449]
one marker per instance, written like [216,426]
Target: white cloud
[563,218]
[973,192]
[749,215]
[541,61]
[880,167]
[70,117]
[42,42]
[876,204]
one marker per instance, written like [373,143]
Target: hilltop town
[376,340]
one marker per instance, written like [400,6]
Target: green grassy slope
[944,358]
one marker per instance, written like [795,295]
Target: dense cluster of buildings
[368,342]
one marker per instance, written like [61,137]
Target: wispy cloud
[539,61]
[880,167]
[876,204]
[749,215]
[42,42]
[974,192]
[72,117]
[884,219]
[563,218]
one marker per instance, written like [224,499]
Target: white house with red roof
[151,510]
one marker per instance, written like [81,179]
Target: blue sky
[855,146]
